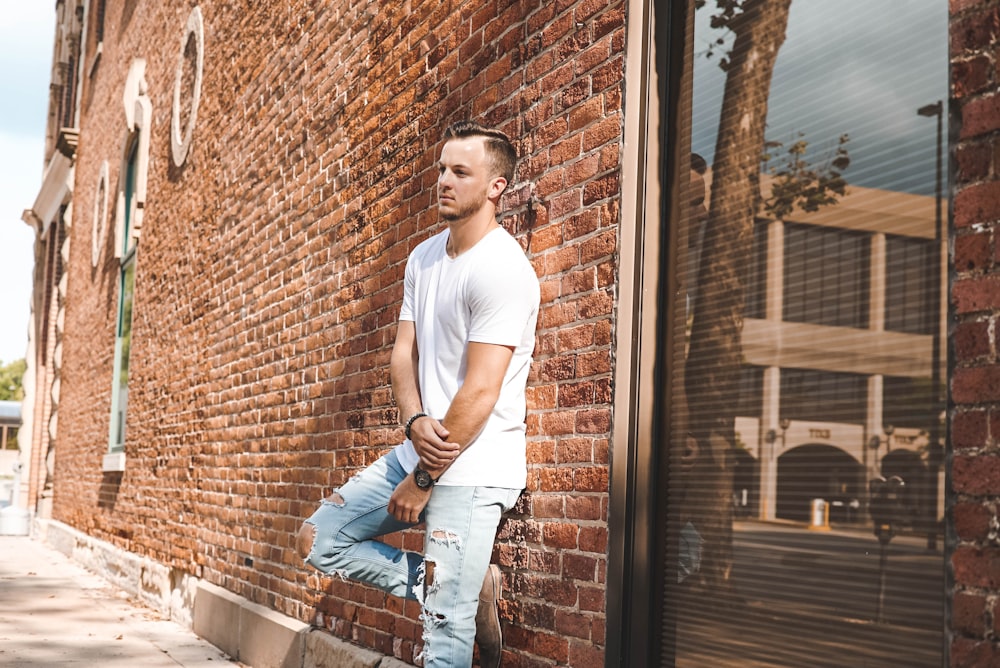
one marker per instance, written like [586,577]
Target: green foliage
[10,380]
[797,183]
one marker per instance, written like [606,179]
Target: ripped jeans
[461,528]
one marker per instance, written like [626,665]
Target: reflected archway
[818,471]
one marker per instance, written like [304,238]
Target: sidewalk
[55,613]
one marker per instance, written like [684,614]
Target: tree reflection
[832,344]
[715,355]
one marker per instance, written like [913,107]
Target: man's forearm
[466,417]
[405,386]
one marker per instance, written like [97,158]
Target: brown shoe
[489,635]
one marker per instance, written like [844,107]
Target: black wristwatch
[423,478]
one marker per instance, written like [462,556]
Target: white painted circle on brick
[100,226]
[180,139]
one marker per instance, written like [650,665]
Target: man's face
[464,179]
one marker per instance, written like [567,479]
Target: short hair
[499,149]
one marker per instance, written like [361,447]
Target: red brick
[972,653]
[955,7]
[972,521]
[576,394]
[977,475]
[972,252]
[594,539]
[560,535]
[579,567]
[976,567]
[971,340]
[974,30]
[556,480]
[976,384]
[592,479]
[970,76]
[583,508]
[572,625]
[548,506]
[592,599]
[973,162]
[972,295]
[586,655]
[969,429]
[980,116]
[551,646]
[994,435]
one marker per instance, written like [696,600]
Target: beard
[463,210]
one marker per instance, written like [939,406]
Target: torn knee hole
[449,538]
[336,499]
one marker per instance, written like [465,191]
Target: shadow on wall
[107,495]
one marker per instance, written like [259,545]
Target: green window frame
[126,293]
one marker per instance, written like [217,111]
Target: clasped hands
[436,454]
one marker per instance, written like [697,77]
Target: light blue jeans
[461,528]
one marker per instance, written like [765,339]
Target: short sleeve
[503,299]
[408,310]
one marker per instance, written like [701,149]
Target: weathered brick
[971,340]
[970,76]
[979,116]
[972,521]
[976,294]
[972,252]
[969,429]
[975,29]
[976,567]
[557,535]
[282,242]
[978,475]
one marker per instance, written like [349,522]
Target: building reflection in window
[809,279]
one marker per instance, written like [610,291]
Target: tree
[715,358]
[11,376]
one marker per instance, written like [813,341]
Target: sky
[27,30]
[852,67]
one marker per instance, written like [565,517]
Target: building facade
[725,335]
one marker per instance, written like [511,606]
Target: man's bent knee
[304,544]
[307,533]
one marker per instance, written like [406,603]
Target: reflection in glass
[123,346]
[126,289]
[809,313]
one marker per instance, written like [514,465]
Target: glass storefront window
[805,492]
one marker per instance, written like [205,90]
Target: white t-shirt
[488,294]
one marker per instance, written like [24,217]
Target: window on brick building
[10,438]
[826,275]
[909,308]
[126,291]
[99,21]
[799,342]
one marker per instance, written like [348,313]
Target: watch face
[422,478]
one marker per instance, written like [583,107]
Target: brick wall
[975,355]
[269,277]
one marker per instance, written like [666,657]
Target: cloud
[851,66]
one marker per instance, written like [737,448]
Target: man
[459,368]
